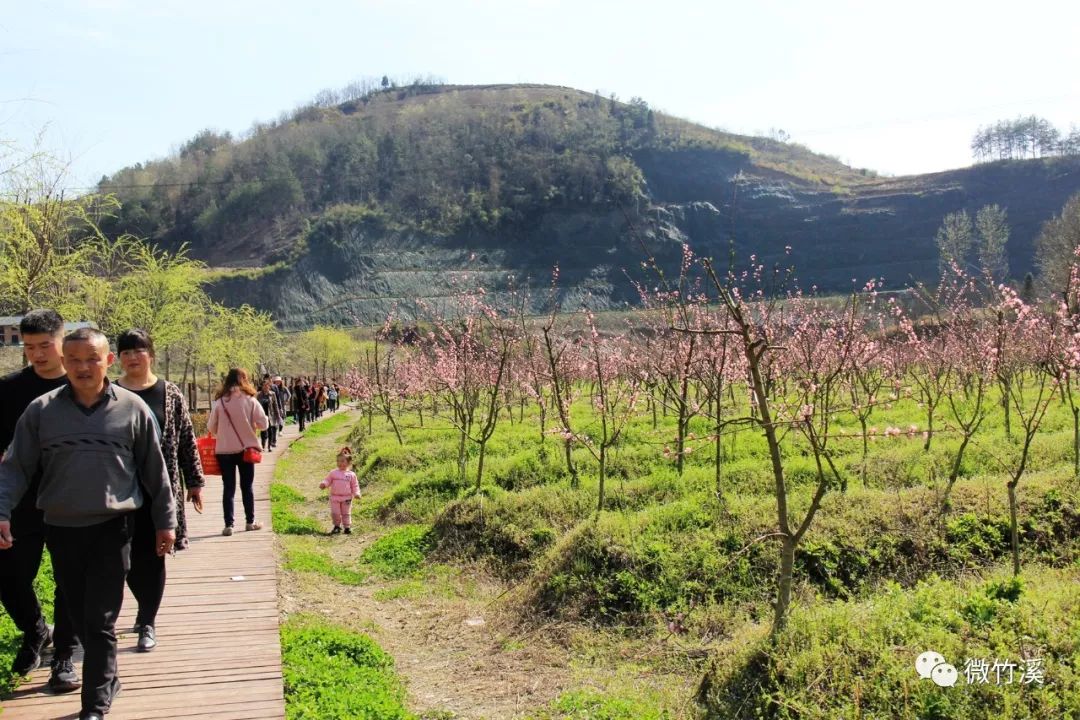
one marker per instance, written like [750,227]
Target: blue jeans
[230,464]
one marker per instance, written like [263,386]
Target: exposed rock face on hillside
[883,228]
[404,196]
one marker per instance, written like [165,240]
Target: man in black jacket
[42,333]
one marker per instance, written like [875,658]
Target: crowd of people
[99,472]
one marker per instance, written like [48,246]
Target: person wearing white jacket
[235,421]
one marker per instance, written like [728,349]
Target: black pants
[18,567]
[90,564]
[230,465]
[147,575]
[268,436]
[301,417]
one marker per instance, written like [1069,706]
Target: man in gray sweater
[91,444]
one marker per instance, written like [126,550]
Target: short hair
[41,322]
[87,334]
[135,339]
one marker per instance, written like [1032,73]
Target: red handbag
[251,454]
[207,447]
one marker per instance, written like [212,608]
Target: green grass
[666,549]
[400,552]
[837,660]
[315,561]
[334,673]
[11,638]
[591,705]
[282,517]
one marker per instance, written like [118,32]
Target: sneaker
[336,530]
[63,677]
[28,658]
[348,531]
[147,641]
[227,531]
[253,526]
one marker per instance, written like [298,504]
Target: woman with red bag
[235,419]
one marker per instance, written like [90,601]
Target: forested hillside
[352,206]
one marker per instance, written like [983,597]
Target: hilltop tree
[1023,137]
[991,236]
[954,240]
[1056,245]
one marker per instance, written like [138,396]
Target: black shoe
[93,715]
[348,531]
[147,640]
[336,530]
[63,677]
[28,658]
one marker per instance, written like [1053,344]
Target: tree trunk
[783,584]
[461,457]
[929,427]
[680,443]
[955,473]
[865,449]
[1005,407]
[603,476]
[1076,441]
[480,465]
[574,482]
[1014,534]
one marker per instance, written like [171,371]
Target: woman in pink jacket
[343,487]
[235,420]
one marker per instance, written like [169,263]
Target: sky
[897,87]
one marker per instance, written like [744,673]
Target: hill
[341,212]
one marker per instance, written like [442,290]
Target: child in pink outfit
[343,487]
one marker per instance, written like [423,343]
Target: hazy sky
[899,87]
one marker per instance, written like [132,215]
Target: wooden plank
[219,653]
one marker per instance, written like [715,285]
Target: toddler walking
[343,487]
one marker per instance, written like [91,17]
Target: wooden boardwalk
[219,653]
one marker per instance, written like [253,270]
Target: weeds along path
[456,655]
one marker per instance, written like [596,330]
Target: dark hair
[41,322]
[135,339]
[237,377]
[86,334]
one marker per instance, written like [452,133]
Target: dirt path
[453,657]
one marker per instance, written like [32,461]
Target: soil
[457,656]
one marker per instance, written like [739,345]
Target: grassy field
[660,605]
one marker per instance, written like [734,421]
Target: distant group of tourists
[311,399]
[99,472]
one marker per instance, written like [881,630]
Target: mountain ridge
[343,213]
